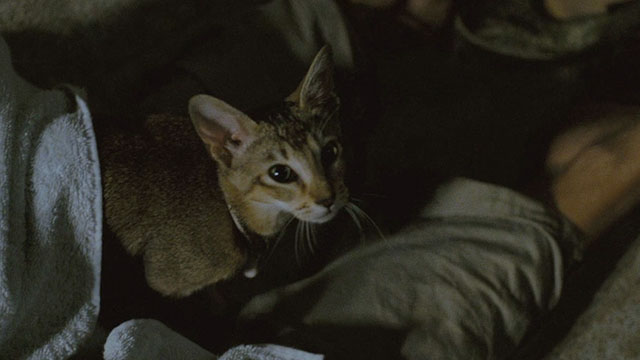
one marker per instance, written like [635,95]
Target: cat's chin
[322,219]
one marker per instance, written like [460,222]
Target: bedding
[50,219]
[610,326]
[50,233]
[466,280]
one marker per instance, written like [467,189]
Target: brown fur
[162,200]
[167,201]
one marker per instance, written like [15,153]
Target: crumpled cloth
[50,219]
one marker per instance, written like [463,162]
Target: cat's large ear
[316,90]
[225,130]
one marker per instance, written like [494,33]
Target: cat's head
[289,163]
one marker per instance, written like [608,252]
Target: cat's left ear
[316,90]
[225,130]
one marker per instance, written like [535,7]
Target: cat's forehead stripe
[269,157]
[283,153]
[294,126]
[314,143]
[303,163]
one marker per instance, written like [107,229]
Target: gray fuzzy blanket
[50,219]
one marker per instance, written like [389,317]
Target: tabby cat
[195,221]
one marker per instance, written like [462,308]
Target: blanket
[610,327]
[50,219]
[150,339]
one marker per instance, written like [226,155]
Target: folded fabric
[610,327]
[465,281]
[519,28]
[150,339]
[50,219]
[267,352]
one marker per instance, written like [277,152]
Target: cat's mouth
[321,216]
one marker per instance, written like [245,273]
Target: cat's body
[160,186]
[193,212]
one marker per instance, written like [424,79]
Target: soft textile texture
[465,282]
[610,327]
[267,352]
[50,220]
[150,339]
[521,29]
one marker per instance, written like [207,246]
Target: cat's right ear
[225,130]
[316,90]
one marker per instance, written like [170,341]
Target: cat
[199,214]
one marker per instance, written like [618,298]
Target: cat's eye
[330,152]
[282,173]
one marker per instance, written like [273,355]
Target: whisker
[314,238]
[356,221]
[283,231]
[308,232]
[296,241]
[368,218]
[303,242]
[353,198]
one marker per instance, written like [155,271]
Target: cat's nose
[327,202]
